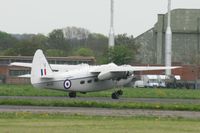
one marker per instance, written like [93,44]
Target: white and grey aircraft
[81,78]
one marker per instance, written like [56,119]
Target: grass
[24,122]
[28,90]
[117,105]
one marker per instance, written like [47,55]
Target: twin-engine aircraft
[81,78]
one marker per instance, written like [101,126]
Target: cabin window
[89,81]
[82,82]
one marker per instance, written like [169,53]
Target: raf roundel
[67,84]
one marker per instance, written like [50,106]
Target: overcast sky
[42,16]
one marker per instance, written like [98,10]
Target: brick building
[9,74]
[186,72]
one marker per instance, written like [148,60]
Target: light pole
[168,41]
[111,33]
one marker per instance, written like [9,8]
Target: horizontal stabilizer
[24,76]
[29,76]
[21,64]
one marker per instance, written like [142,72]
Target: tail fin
[40,68]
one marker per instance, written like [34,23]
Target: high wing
[114,68]
[112,71]
[103,72]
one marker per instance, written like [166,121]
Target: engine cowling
[114,75]
[105,76]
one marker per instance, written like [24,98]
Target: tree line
[70,41]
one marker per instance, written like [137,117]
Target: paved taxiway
[104,111]
[108,99]
[101,111]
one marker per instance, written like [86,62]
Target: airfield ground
[28,90]
[22,120]
[42,123]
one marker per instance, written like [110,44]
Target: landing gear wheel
[72,94]
[120,92]
[115,95]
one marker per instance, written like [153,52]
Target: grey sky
[42,16]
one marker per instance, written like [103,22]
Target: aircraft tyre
[115,95]
[120,92]
[72,94]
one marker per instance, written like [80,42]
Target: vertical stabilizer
[40,68]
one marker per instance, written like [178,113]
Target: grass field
[101,104]
[23,122]
[59,123]
[28,90]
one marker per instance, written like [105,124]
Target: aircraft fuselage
[80,81]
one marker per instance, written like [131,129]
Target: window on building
[4,62]
[15,73]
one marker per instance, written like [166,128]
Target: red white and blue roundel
[67,84]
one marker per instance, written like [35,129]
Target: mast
[111,33]
[168,41]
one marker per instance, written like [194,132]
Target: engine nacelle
[105,76]
[127,74]
[114,75]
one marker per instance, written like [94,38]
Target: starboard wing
[112,71]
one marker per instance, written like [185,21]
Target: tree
[120,55]
[6,41]
[55,53]
[84,52]
[56,40]
[124,39]
[10,52]
[26,48]
[75,33]
[40,40]
[97,42]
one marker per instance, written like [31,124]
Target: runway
[108,99]
[101,111]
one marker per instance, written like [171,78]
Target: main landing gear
[72,94]
[116,94]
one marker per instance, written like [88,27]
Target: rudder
[40,68]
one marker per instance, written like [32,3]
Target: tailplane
[40,68]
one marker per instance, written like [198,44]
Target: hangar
[185,24]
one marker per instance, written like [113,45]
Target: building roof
[5,60]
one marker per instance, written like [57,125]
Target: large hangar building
[185,24]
